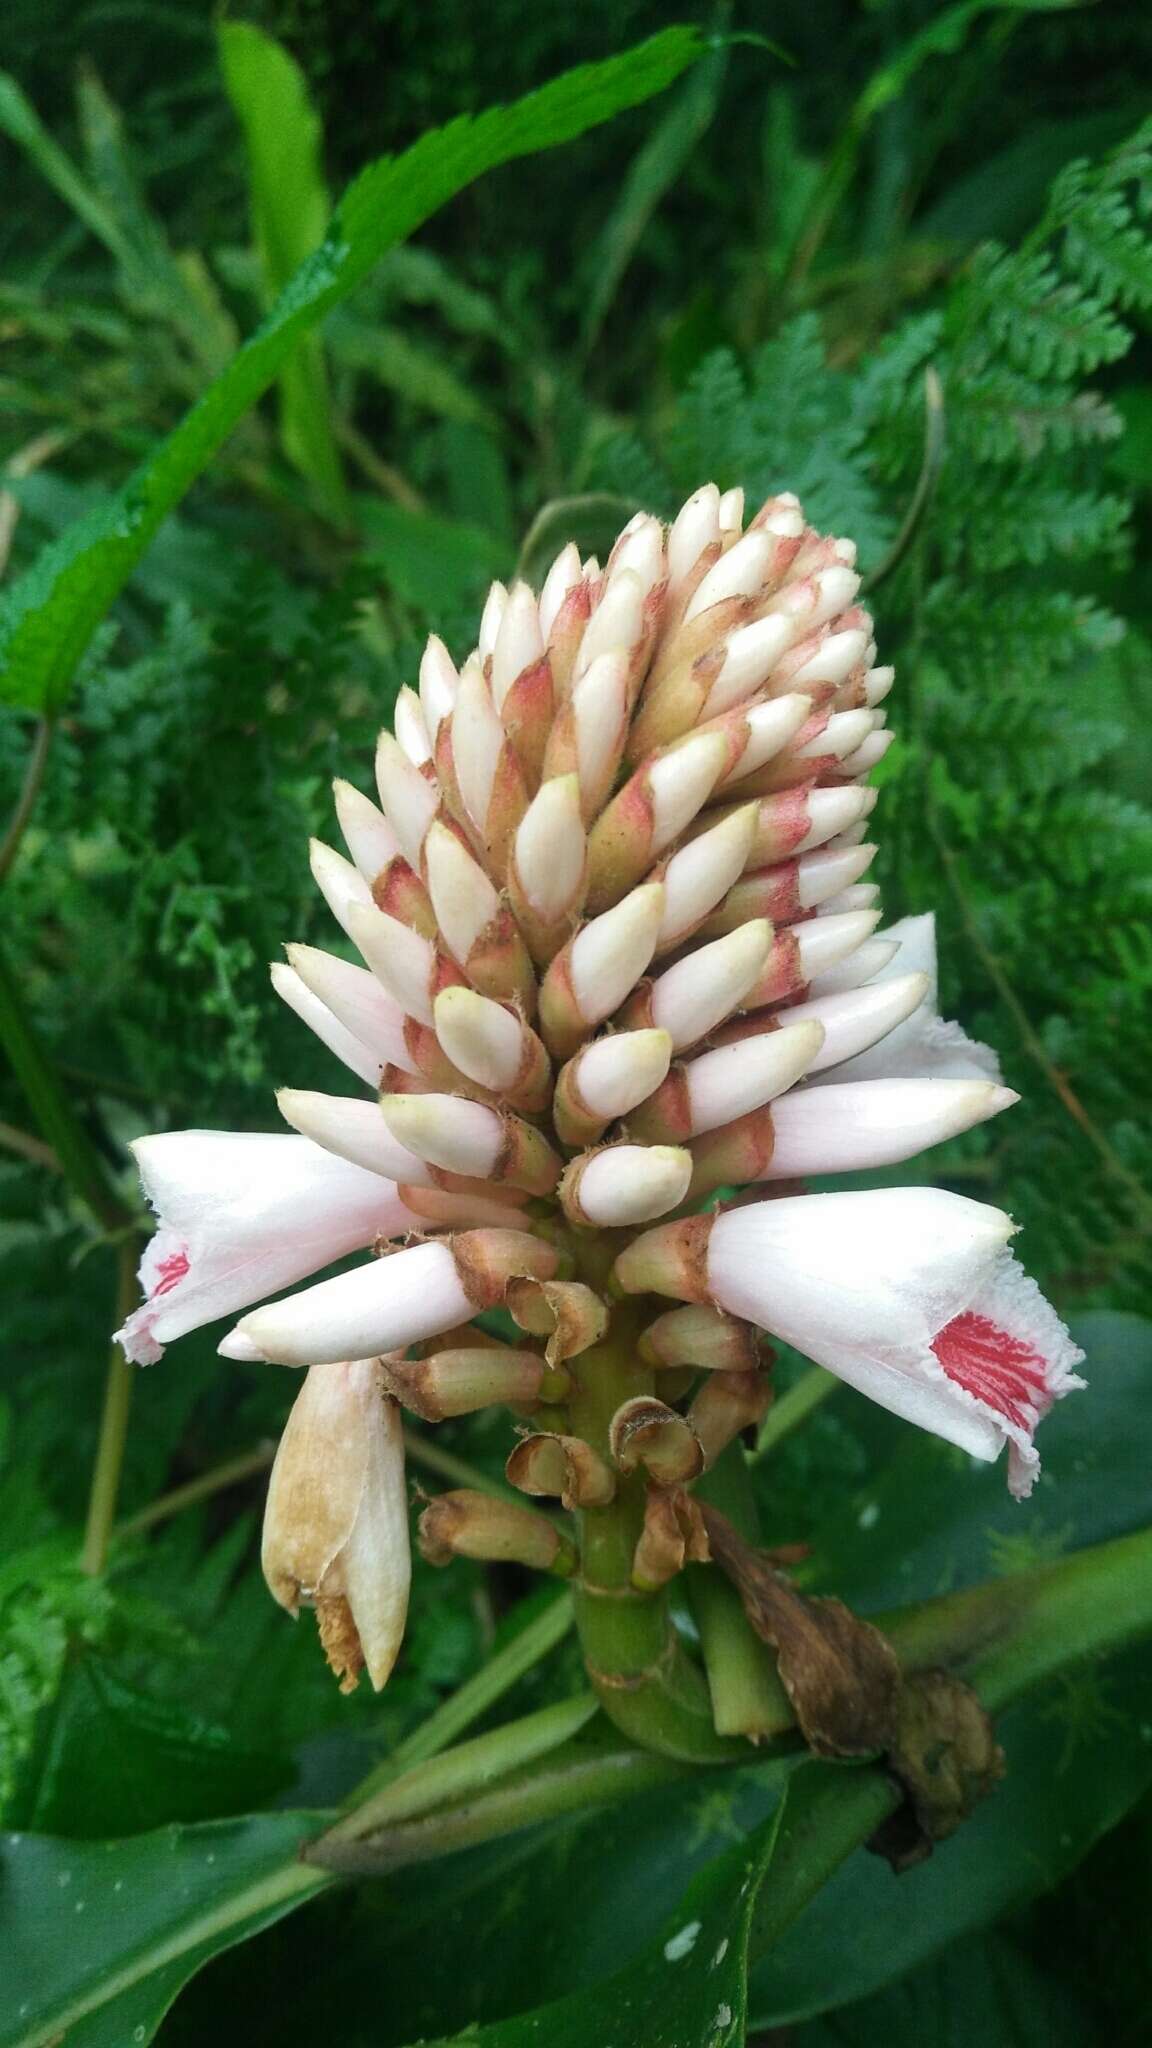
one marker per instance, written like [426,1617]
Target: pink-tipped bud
[492,1045]
[607,1079]
[409,966]
[800,952]
[409,799]
[470,1138]
[845,1127]
[491,619]
[548,873]
[338,881]
[409,727]
[860,1017]
[367,834]
[861,966]
[481,933]
[727,1083]
[353,1130]
[740,572]
[877,683]
[691,998]
[355,998]
[760,732]
[357,1057]
[799,820]
[750,654]
[650,811]
[591,976]
[439,683]
[790,888]
[616,623]
[588,737]
[701,873]
[624,1184]
[695,528]
[562,577]
[519,641]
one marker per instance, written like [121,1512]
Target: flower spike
[624,990]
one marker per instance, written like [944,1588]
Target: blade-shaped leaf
[52,612]
[289,205]
[98,1937]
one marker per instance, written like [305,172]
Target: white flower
[908,1294]
[924,1045]
[241,1214]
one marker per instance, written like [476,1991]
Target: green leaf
[51,613]
[932,1520]
[656,169]
[99,1937]
[288,199]
[685,1989]
[981,1993]
[1078,1760]
[115,1760]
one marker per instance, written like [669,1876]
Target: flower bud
[336,1520]
[467,1524]
[458,1382]
[701,1336]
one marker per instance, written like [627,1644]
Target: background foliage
[746,278]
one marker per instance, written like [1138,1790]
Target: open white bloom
[908,1294]
[617,951]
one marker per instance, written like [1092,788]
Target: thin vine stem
[29,794]
[231,1473]
[106,1472]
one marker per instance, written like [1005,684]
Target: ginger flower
[618,954]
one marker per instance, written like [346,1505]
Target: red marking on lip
[170,1272]
[1006,1373]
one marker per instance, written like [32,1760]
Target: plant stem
[747,1696]
[470,1768]
[477,1694]
[105,1486]
[839,1809]
[52,1107]
[29,792]
[793,1408]
[564,1784]
[1012,1633]
[647,1683]
[194,1490]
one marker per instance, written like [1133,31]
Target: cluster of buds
[619,993]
